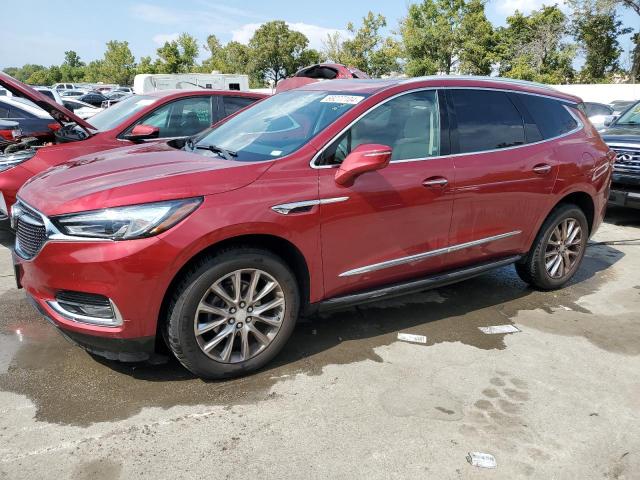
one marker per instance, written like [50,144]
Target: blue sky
[40,31]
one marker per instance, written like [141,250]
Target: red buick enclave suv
[162,114]
[321,197]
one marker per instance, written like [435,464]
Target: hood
[57,111]
[134,175]
[622,133]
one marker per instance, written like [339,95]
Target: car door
[504,174]
[390,224]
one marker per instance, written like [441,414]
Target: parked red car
[162,114]
[318,73]
[321,197]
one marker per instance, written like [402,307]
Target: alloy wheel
[564,248]
[239,315]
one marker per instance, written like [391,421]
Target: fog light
[86,308]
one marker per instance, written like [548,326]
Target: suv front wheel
[233,313]
[558,249]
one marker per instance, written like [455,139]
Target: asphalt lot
[346,399]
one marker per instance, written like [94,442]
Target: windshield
[277,126]
[631,116]
[118,113]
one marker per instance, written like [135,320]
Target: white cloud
[161,38]
[315,33]
[508,7]
[209,18]
[244,33]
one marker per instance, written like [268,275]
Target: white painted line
[409,337]
[499,329]
[482,460]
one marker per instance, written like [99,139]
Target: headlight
[125,223]
[13,159]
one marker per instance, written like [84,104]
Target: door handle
[435,182]
[542,168]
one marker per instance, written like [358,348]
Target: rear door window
[551,116]
[486,120]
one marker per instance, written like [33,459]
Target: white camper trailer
[146,82]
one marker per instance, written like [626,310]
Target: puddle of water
[70,387]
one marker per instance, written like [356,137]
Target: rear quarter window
[551,116]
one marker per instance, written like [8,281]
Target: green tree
[93,72]
[477,39]
[277,51]
[533,48]
[25,72]
[332,50]
[178,56]
[145,65]
[443,36]
[119,64]
[634,6]
[72,69]
[368,50]
[597,33]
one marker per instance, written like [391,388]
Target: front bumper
[121,349]
[133,274]
[624,198]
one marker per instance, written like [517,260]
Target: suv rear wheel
[558,249]
[233,313]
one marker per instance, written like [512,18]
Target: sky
[41,31]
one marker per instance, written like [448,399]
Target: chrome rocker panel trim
[421,256]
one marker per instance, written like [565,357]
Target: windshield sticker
[145,101]
[348,99]
[276,153]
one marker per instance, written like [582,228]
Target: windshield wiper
[227,154]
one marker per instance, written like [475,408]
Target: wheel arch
[584,201]
[581,198]
[278,245]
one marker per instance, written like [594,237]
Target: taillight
[7,135]
[54,126]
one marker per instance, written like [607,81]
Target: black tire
[197,282]
[532,268]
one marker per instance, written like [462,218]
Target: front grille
[31,233]
[627,159]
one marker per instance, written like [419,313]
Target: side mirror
[609,119]
[142,132]
[364,158]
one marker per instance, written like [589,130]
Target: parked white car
[64,86]
[81,109]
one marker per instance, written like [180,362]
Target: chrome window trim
[287,208]
[85,319]
[579,127]
[428,254]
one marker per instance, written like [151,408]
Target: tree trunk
[634,73]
